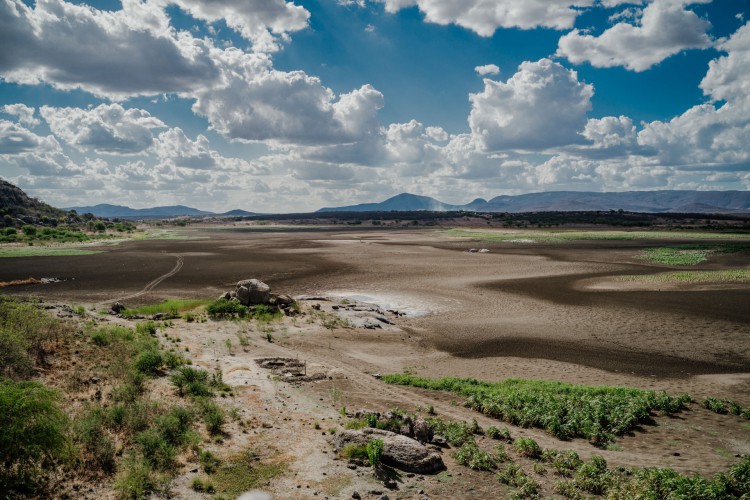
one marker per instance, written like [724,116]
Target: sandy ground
[549,312]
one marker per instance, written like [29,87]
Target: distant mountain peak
[572,201]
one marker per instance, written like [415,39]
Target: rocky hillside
[17,208]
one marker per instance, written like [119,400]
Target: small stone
[356,495]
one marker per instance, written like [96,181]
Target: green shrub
[148,362]
[146,328]
[371,419]
[32,435]
[202,486]
[470,455]
[156,450]
[191,381]
[456,433]
[528,447]
[593,477]
[495,433]
[29,230]
[374,451]
[213,415]
[226,309]
[354,452]
[722,406]
[135,480]
[98,449]
[208,461]
[512,475]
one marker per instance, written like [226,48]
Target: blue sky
[273,105]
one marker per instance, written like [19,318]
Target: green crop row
[566,411]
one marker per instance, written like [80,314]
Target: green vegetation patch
[690,255]
[170,307]
[32,435]
[560,236]
[243,472]
[565,410]
[692,277]
[43,251]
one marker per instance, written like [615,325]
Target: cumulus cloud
[706,134]
[175,147]
[542,106]
[258,103]
[15,139]
[666,28]
[262,22]
[487,69]
[107,128]
[76,46]
[24,114]
[485,16]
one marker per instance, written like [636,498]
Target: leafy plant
[470,455]
[374,450]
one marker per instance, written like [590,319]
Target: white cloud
[262,22]
[24,114]
[15,139]
[666,28]
[542,106]
[107,128]
[706,134]
[487,69]
[258,103]
[728,77]
[76,46]
[485,16]
[176,148]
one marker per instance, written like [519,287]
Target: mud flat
[544,311]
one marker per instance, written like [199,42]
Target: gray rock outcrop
[253,292]
[399,451]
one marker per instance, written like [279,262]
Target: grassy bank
[693,277]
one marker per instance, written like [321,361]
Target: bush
[213,415]
[374,450]
[528,447]
[354,452]
[208,461]
[226,309]
[148,362]
[495,433]
[191,381]
[456,433]
[135,479]
[98,448]
[29,230]
[32,435]
[156,450]
[473,457]
[27,335]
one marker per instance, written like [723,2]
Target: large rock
[253,292]
[399,451]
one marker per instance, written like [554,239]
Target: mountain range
[111,211]
[573,201]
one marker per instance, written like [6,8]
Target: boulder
[251,292]
[399,451]
[243,295]
[284,300]
[422,431]
[117,308]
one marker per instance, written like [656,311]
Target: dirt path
[151,285]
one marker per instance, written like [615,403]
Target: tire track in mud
[152,284]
